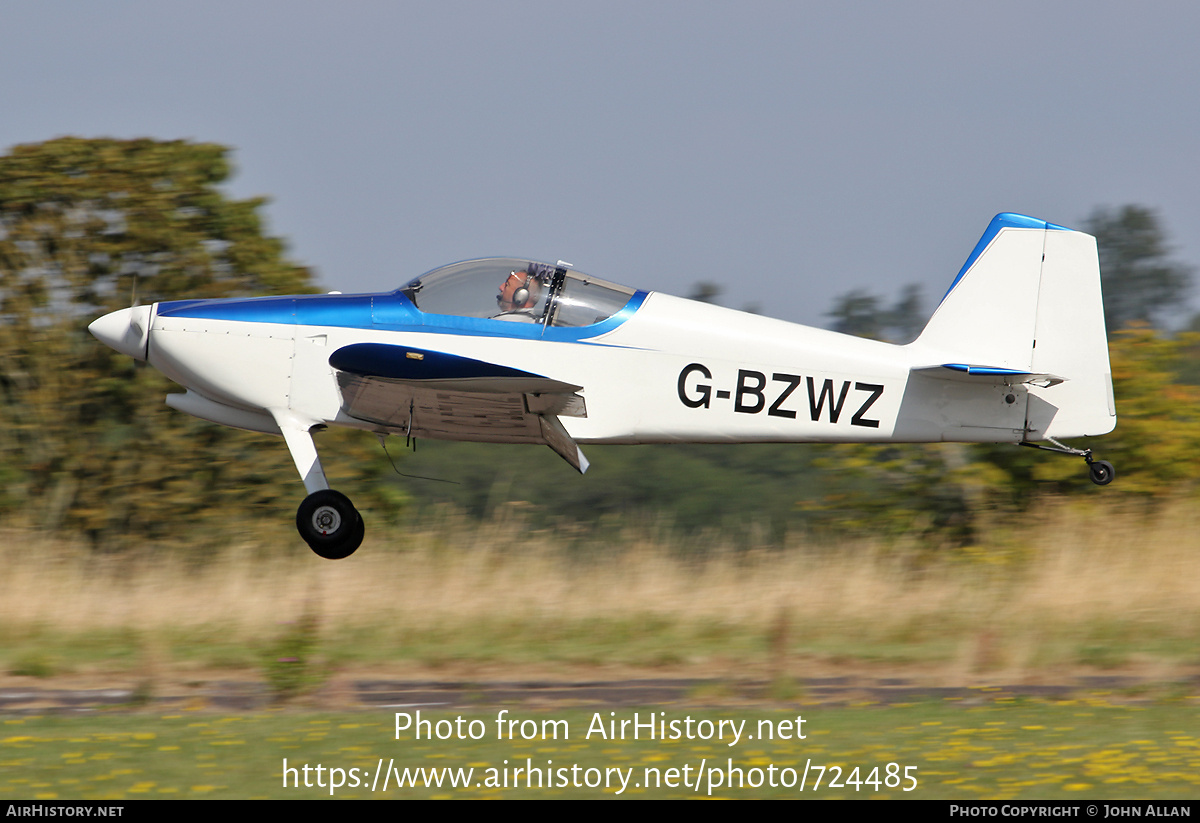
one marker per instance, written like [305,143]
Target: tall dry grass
[1060,588]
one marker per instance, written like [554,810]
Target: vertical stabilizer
[1028,300]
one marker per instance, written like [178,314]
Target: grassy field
[1062,593]
[1075,750]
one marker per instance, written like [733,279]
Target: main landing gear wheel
[1101,472]
[330,524]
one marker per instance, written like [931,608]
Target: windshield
[515,290]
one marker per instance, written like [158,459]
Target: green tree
[911,489]
[1141,283]
[88,226]
[863,314]
[706,291]
[858,312]
[1157,437]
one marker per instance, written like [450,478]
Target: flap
[446,397]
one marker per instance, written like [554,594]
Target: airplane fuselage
[676,370]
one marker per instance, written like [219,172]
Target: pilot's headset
[522,294]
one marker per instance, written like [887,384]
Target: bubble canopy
[517,290]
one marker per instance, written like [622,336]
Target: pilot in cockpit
[518,297]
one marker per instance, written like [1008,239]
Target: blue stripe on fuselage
[390,311]
[352,310]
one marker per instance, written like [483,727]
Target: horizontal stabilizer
[991,375]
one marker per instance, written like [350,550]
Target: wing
[447,397]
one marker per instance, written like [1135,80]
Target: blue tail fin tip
[1004,220]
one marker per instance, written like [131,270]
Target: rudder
[1071,340]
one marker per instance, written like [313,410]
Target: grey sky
[791,151]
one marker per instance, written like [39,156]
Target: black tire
[330,524]
[344,549]
[1101,472]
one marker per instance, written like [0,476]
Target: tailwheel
[330,524]
[1101,472]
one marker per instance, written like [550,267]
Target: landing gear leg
[1101,472]
[327,520]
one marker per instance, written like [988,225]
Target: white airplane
[1015,353]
